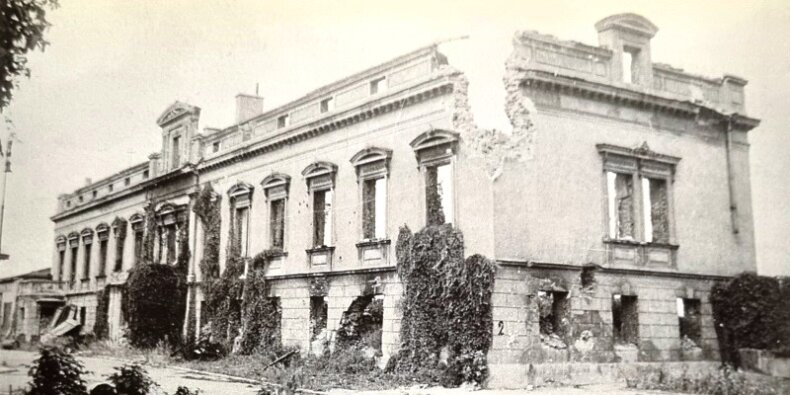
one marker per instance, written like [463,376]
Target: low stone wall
[765,362]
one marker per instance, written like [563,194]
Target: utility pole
[2,203]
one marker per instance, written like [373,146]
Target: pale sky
[113,66]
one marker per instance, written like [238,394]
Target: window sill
[373,243]
[320,249]
[633,253]
[373,252]
[670,246]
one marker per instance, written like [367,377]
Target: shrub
[101,326]
[131,379]
[725,381]
[751,311]
[152,307]
[56,372]
[260,314]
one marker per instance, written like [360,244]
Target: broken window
[327,105]
[170,244]
[282,121]
[620,188]
[322,218]
[374,205]
[630,58]
[625,319]
[638,194]
[242,227]
[689,320]
[439,194]
[61,262]
[377,85]
[73,274]
[138,247]
[553,307]
[654,193]
[176,159]
[318,316]
[102,256]
[277,223]
[86,266]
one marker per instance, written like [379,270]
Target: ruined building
[620,195]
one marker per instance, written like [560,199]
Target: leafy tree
[21,31]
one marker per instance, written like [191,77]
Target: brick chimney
[248,106]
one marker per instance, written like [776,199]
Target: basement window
[319,313]
[625,319]
[689,320]
[553,307]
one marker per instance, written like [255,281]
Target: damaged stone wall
[588,335]
[491,146]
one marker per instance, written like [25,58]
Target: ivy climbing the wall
[101,325]
[447,321]
[260,313]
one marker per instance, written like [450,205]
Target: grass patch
[724,381]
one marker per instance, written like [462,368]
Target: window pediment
[320,175]
[87,235]
[276,185]
[372,160]
[60,239]
[435,144]
[175,111]
[642,152]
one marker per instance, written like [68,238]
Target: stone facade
[29,301]
[620,196]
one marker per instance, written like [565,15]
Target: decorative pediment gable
[175,111]
[630,22]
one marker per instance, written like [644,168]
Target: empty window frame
[439,194]
[690,320]
[630,59]
[319,313]
[73,264]
[171,238]
[176,152]
[283,121]
[215,146]
[103,242]
[275,188]
[374,208]
[638,195]
[138,246]
[625,319]
[146,174]
[377,85]
[277,223]
[322,217]
[327,105]
[87,244]
[119,230]
[242,218]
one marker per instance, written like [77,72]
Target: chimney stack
[248,106]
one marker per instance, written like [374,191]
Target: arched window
[435,151]
[275,187]
[320,178]
[240,195]
[372,167]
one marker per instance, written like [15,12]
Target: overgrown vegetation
[447,321]
[152,314]
[131,379]
[207,209]
[101,326]
[56,372]
[260,313]
[725,381]
[751,311]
